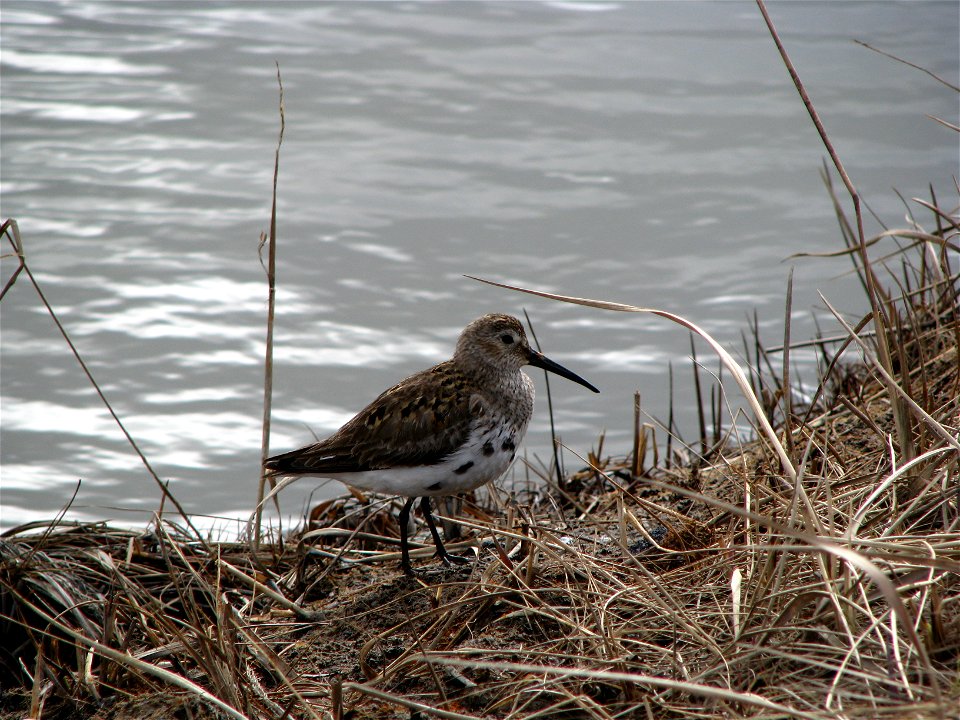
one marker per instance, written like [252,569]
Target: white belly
[482,459]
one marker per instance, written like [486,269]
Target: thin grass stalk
[715,402]
[722,400]
[553,429]
[165,490]
[936,77]
[668,461]
[637,469]
[755,371]
[762,359]
[701,420]
[785,383]
[846,230]
[271,309]
[36,699]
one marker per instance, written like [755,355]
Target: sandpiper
[445,430]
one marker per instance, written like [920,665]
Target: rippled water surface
[649,153]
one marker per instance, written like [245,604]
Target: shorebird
[445,430]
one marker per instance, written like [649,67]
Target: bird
[445,430]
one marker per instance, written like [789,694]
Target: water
[650,153]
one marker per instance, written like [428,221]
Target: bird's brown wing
[417,422]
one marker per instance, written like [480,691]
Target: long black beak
[540,361]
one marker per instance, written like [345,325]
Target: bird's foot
[448,558]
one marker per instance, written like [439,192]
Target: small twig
[936,77]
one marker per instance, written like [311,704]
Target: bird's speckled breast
[497,433]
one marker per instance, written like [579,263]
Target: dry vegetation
[812,573]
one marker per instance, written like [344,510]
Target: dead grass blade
[271,270]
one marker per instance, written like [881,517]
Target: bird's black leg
[404,532]
[442,553]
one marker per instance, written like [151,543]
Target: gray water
[648,153]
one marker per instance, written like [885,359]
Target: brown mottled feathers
[416,422]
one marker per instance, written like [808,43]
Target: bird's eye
[507,339]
